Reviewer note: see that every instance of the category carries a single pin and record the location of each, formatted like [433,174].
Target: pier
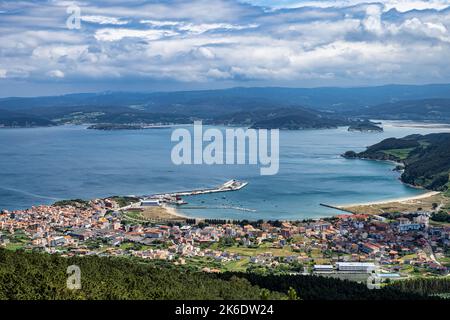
[336,208]
[232,185]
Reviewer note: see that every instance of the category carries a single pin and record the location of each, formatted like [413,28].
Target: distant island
[365,126]
[425,158]
[283,118]
[112,126]
[132,126]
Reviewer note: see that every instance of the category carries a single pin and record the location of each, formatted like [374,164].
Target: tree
[292,294]
[265,294]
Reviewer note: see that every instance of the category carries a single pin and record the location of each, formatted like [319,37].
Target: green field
[402,154]
[263,248]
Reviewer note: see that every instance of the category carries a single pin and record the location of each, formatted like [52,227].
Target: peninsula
[424,159]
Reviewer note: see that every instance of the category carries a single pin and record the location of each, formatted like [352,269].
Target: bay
[43,165]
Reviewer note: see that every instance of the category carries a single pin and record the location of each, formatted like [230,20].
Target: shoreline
[395,200]
[172,211]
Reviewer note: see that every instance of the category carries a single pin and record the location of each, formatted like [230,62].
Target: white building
[364,267]
[323,268]
[150,203]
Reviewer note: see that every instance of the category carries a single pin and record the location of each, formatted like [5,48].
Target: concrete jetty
[232,185]
[336,208]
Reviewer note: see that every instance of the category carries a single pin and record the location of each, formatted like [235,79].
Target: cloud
[119,34]
[104,20]
[194,28]
[372,22]
[399,5]
[217,41]
[55,74]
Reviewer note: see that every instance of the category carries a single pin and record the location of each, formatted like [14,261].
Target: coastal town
[343,246]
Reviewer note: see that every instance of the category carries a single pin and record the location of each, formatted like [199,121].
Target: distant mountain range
[287,108]
[424,109]
[16,119]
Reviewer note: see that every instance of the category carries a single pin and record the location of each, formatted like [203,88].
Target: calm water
[42,165]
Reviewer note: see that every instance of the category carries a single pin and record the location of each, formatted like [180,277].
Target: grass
[439,223]
[124,201]
[14,246]
[126,245]
[263,248]
[445,261]
[236,266]
[395,207]
[134,214]
[198,263]
[402,154]
[447,192]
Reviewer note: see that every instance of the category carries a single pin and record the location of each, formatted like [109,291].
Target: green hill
[426,159]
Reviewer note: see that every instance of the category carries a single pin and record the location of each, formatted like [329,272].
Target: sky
[50,47]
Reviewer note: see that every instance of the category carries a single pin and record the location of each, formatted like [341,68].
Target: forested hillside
[426,159]
[32,275]
[27,275]
[323,288]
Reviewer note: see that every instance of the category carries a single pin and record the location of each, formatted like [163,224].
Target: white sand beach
[400,200]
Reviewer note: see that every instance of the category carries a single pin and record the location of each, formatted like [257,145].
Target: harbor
[176,197]
[162,207]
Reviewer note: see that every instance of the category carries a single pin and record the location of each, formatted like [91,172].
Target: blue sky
[142,45]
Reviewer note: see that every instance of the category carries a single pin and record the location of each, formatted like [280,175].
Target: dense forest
[324,288]
[424,286]
[34,275]
[30,275]
[426,159]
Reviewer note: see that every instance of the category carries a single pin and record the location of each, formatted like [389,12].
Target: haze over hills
[424,109]
[328,98]
[292,108]
[16,119]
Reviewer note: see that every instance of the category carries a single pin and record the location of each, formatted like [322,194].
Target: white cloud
[56,74]
[419,28]
[56,52]
[218,74]
[399,5]
[224,40]
[104,20]
[158,23]
[119,34]
[206,53]
[201,28]
[197,28]
[2,73]
[372,22]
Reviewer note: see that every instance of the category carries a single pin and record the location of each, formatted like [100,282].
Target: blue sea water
[42,165]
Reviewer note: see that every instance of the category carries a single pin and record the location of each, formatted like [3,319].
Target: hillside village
[402,247]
